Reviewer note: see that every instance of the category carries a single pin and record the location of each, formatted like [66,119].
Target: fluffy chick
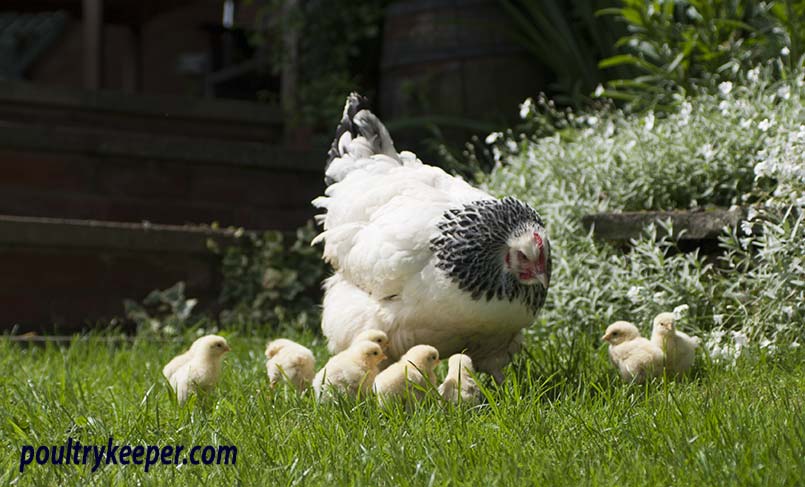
[459,386]
[636,358]
[409,375]
[679,348]
[289,361]
[198,368]
[376,336]
[350,372]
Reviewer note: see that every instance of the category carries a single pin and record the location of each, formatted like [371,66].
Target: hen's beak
[543,279]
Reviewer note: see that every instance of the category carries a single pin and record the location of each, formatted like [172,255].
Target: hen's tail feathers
[360,134]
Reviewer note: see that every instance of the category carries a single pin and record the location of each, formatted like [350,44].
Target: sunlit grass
[561,418]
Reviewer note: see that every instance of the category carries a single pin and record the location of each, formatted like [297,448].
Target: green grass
[560,419]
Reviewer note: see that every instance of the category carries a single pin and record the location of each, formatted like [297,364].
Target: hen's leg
[498,357]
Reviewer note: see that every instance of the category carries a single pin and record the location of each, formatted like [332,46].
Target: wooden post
[133,64]
[290,62]
[92,13]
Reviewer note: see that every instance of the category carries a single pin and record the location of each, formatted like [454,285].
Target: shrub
[740,145]
[685,45]
[271,281]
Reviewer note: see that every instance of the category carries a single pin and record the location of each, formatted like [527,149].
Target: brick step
[29,103]
[89,173]
[63,275]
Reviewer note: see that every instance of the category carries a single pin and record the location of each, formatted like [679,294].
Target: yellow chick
[376,336]
[351,372]
[635,357]
[459,386]
[198,368]
[679,348]
[407,377]
[289,361]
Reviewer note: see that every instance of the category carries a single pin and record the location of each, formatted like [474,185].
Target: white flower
[649,121]
[784,92]
[718,319]
[610,129]
[525,108]
[684,113]
[725,87]
[633,294]
[746,227]
[493,137]
[753,74]
[764,125]
[659,296]
[740,339]
[680,310]
[592,120]
[599,90]
[788,310]
[785,51]
[794,344]
[745,123]
[707,151]
[751,214]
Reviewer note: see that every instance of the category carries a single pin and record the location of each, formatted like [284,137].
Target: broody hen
[423,255]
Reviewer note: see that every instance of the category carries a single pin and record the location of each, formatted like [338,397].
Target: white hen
[422,255]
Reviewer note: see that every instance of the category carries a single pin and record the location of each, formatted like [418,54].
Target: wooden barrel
[453,59]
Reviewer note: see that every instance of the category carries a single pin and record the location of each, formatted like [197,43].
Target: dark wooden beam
[93,43]
[688,225]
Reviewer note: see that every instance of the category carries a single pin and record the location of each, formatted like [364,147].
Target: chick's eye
[374,353]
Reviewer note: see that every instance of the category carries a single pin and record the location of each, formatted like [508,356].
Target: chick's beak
[605,337]
[226,348]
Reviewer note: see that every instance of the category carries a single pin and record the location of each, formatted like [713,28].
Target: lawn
[561,418]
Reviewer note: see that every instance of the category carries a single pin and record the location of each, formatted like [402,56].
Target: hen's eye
[521,255]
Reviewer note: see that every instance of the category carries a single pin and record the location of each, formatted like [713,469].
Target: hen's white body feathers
[381,215]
